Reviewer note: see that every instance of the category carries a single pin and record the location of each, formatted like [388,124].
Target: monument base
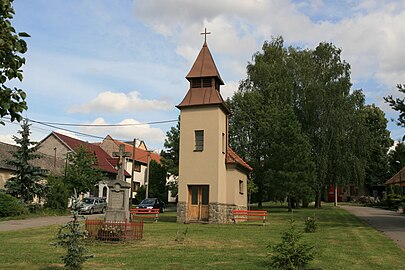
[117,215]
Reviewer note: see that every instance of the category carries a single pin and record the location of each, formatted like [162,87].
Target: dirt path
[390,223]
[12,225]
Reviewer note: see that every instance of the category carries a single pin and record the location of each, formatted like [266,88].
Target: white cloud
[120,102]
[370,33]
[137,130]
[228,89]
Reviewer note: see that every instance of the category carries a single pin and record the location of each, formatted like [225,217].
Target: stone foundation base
[219,213]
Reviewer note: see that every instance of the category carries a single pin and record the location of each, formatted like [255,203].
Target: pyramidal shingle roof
[204,66]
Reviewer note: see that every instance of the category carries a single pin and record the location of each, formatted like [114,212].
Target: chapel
[212,177]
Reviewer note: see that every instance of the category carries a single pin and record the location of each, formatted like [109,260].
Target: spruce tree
[27,180]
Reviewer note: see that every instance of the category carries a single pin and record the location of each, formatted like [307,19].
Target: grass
[43,212]
[341,242]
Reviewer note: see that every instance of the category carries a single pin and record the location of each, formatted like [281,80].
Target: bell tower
[203,143]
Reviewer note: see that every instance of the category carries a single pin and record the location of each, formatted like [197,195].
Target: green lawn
[341,242]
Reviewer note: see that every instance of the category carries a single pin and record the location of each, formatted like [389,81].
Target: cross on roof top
[205,33]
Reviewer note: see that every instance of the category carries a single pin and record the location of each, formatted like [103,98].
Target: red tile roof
[233,158]
[140,154]
[397,179]
[105,162]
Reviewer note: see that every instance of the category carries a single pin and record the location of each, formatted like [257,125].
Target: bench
[247,215]
[144,214]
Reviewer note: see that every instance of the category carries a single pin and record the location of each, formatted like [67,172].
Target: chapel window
[207,82]
[196,83]
[199,140]
[240,187]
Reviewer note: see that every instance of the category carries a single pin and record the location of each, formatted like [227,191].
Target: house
[6,171]
[61,146]
[212,178]
[397,179]
[111,145]
[53,164]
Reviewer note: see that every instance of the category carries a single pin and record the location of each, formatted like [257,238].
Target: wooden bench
[145,214]
[247,215]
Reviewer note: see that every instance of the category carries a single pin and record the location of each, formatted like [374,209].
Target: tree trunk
[289,203]
[318,199]
[335,191]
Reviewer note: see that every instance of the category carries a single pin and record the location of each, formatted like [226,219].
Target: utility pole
[147,177]
[133,172]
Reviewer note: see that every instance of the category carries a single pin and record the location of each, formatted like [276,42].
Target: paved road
[12,225]
[392,224]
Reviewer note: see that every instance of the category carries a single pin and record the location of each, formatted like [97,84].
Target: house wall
[4,176]
[49,145]
[208,166]
[234,195]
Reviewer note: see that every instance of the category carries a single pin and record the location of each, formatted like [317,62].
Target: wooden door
[198,203]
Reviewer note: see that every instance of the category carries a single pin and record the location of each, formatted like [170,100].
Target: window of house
[137,167]
[223,143]
[196,83]
[240,187]
[199,140]
[207,82]
[137,185]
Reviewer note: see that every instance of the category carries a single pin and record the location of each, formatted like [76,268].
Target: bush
[394,201]
[11,206]
[71,236]
[310,225]
[57,194]
[290,254]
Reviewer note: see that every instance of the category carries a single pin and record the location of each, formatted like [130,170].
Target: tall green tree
[81,172]
[316,84]
[290,166]
[157,180]
[27,180]
[398,104]
[268,85]
[12,47]
[396,158]
[379,141]
[170,156]
[329,114]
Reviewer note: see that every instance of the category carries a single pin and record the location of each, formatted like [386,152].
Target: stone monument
[119,189]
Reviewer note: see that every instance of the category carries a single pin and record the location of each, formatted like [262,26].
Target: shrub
[310,225]
[57,194]
[290,254]
[394,201]
[11,206]
[71,236]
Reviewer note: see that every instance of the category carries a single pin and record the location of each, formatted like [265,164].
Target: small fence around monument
[113,231]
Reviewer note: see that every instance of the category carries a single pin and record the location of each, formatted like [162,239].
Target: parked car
[152,203]
[92,205]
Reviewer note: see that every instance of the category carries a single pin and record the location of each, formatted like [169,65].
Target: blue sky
[124,61]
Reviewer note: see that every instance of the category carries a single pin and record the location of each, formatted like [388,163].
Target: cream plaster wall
[208,166]
[48,147]
[234,196]
[4,176]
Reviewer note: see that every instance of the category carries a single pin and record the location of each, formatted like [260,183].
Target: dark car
[152,203]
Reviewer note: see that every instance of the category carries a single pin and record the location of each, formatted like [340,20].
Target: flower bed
[113,231]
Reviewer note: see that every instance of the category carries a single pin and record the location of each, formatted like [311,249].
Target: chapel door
[198,203]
